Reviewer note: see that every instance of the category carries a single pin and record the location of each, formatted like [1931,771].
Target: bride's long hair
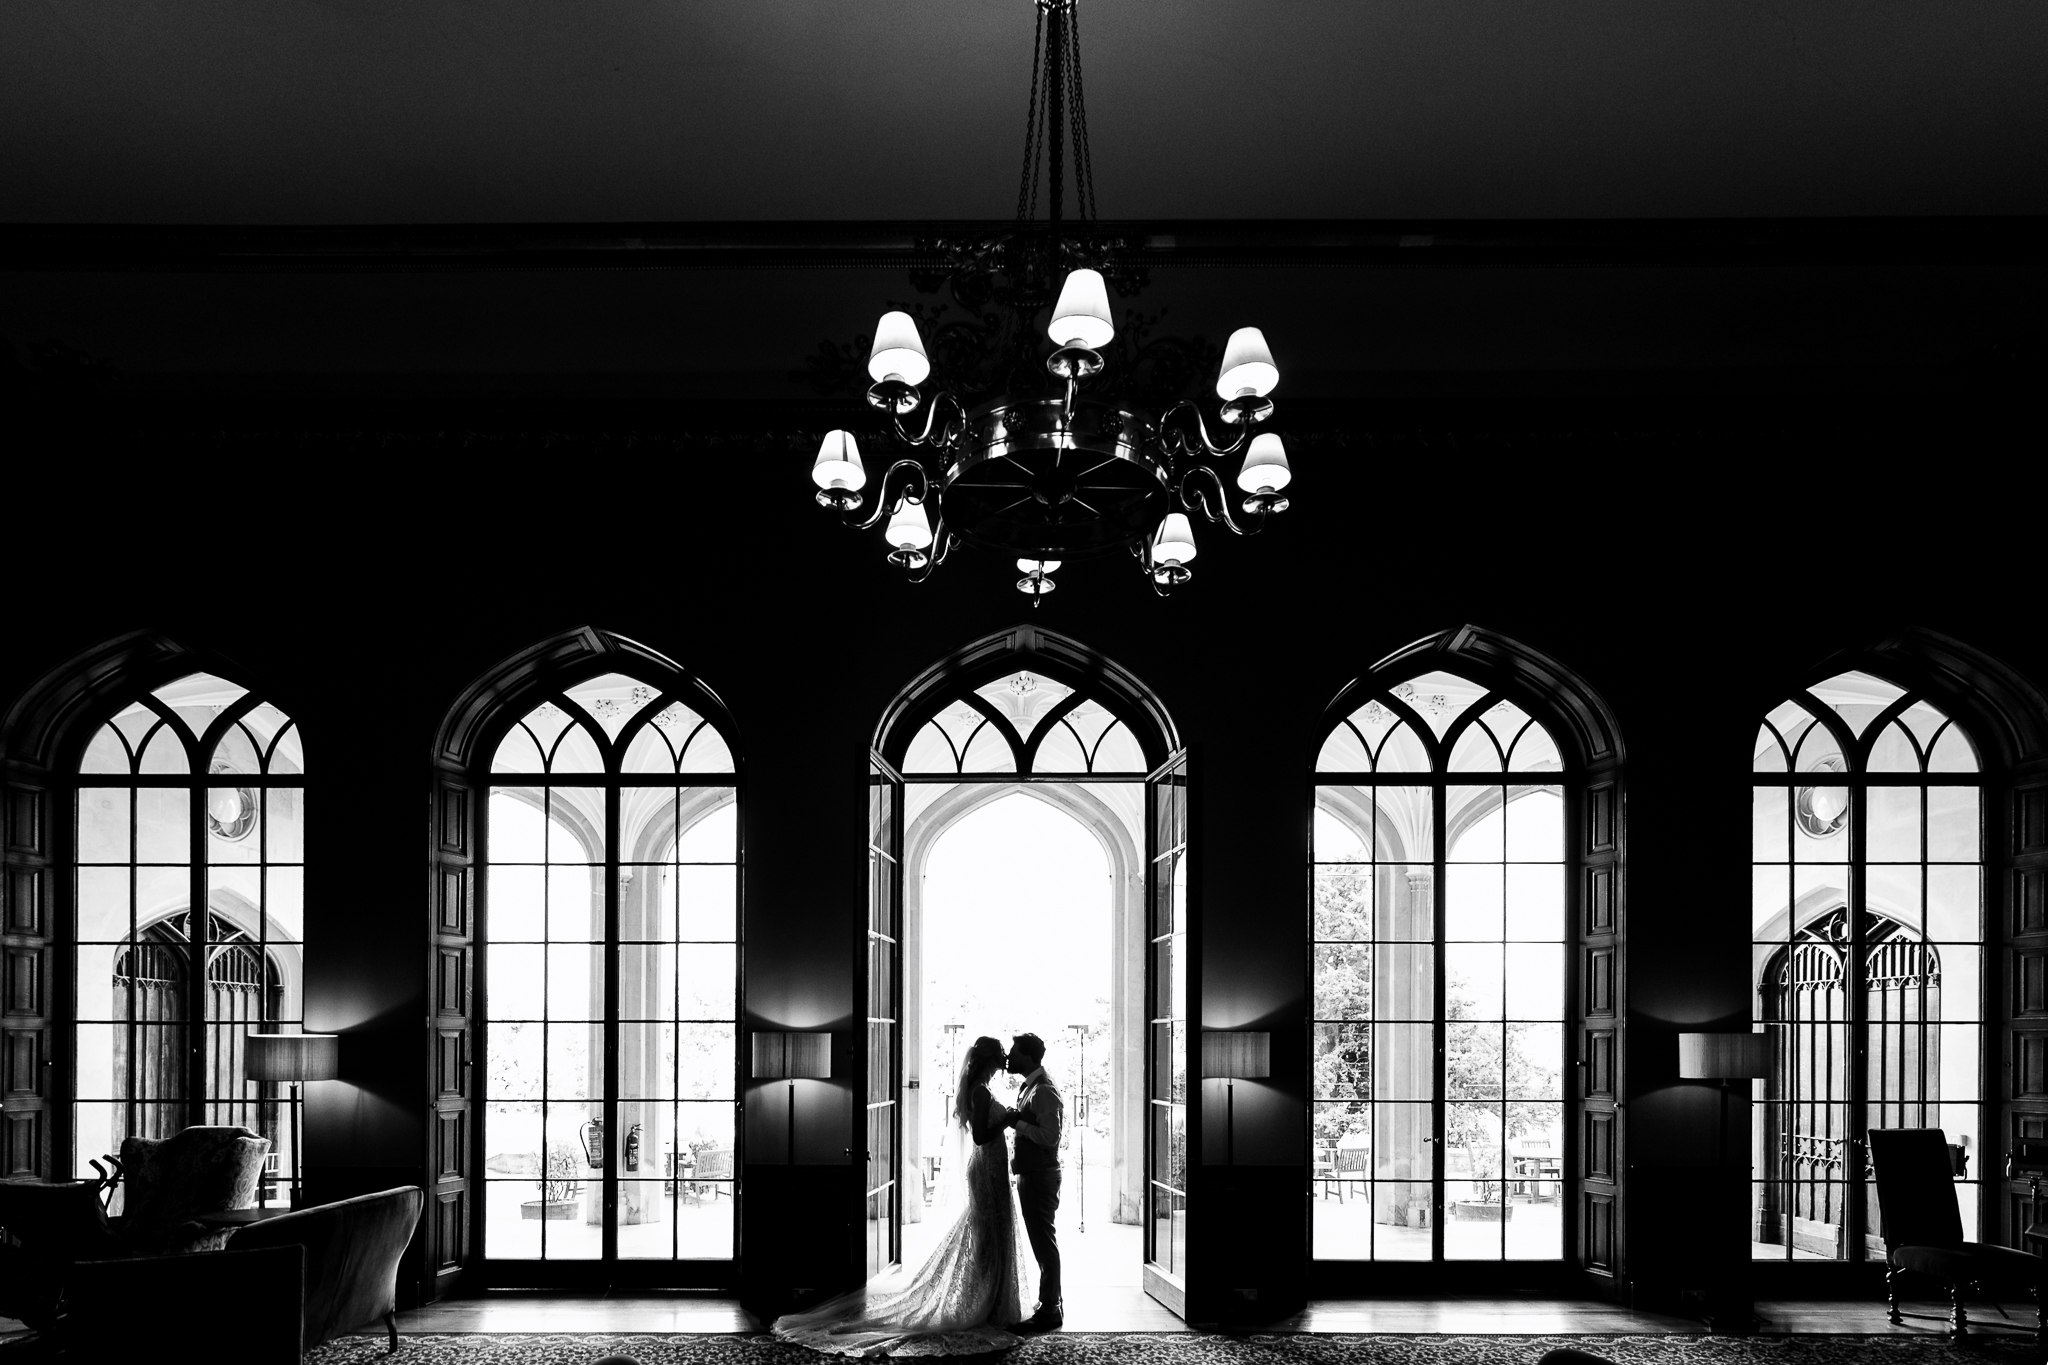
[984,1059]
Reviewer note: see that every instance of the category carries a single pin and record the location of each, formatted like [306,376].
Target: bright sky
[1016,924]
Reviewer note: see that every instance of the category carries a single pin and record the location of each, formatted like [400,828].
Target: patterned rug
[1198,1348]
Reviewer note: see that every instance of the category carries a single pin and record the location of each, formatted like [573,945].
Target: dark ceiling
[321,202]
[448,111]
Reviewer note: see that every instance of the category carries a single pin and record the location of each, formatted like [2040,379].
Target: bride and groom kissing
[969,1296]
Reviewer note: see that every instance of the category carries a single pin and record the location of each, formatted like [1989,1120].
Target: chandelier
[1050,468]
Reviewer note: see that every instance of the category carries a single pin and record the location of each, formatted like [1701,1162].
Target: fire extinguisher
[592,1133]
[633,1148]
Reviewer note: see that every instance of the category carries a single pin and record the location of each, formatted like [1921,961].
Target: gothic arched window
[192,795]
[609,963]
[1441,979]
[1868,947]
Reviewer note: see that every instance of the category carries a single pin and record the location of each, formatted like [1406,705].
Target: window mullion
[1439,1111]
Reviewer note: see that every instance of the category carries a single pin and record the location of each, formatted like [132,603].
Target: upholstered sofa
[352,1248]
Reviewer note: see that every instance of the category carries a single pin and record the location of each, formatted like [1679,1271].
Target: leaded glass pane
[164,752]
[649,752]
[1857,698]
[1060,751]
[575,751]
[708,753]
[1476,751]
[1343,752]
[107,753]
[1894,751]
[1535,751]
[612,700]
[931,751]
[518,752]
[1771,755]
[1402,752]
[1440,698]
[1953,753]
[1117,751]
[988,750]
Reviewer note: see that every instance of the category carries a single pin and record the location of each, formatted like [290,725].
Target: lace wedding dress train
[978,1280]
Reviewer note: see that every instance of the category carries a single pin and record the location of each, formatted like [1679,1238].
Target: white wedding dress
[978,1280]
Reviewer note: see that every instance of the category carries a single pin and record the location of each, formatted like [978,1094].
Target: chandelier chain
[1084,167]
[1027,181]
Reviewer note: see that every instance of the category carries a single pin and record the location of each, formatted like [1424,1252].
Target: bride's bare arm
[984,1117]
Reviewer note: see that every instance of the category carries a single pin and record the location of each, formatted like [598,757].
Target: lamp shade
[291,1056]
[1081,317]
[1175,543]
[910,528]
[792,1056]
[1247,365]
[898,350]
[1038,565]
[1240,1055]
[1265,466]
[838,464]
[1723,1056]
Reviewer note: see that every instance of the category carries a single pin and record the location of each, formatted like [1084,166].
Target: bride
[977,1280]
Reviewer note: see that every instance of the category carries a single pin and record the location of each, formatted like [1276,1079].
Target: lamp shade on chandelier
[1055,472]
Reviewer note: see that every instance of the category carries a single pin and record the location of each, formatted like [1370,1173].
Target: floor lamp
[1721,1058]
[792,1057]
[292,1058]
[1235,1056]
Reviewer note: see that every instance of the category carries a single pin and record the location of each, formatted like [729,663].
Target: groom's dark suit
[1036,1161]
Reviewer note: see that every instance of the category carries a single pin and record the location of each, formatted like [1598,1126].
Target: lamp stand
[1229,1121]
[298,1160]
[792,1123]
[1718,1320]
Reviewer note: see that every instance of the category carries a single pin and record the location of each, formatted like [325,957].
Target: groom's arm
[1040,1120]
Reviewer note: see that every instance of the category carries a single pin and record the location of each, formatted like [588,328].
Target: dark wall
[368,581]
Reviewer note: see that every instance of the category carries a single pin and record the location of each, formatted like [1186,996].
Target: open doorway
[1020,876]
[1022,914]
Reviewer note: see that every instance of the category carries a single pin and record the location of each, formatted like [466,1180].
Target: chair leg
[391,1326]
[1891,1294]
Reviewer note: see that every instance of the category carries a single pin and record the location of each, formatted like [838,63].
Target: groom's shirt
[1040,1120]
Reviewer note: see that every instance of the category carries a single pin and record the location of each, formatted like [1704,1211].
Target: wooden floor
[1128,1310]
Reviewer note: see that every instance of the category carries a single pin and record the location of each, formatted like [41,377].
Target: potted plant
[560,1189]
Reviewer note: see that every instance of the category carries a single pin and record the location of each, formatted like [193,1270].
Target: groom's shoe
[1044,1320]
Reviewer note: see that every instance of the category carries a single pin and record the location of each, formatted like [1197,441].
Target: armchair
[46,1228]
[1923,1229]
[201,1169]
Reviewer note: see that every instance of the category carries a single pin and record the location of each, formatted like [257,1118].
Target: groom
[1037,1164]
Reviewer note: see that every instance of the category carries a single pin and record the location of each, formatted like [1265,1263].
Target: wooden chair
[1923,1230]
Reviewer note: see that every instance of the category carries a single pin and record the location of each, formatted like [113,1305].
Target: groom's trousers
[1038,1193]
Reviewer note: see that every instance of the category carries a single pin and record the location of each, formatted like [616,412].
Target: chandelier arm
[954,428]
[942,543]
[1194,496]
[885,504]
[1180,444]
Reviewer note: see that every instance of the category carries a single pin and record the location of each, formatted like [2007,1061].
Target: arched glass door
[1441,982]
[1034,715]
[609,959]
[1867,943]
